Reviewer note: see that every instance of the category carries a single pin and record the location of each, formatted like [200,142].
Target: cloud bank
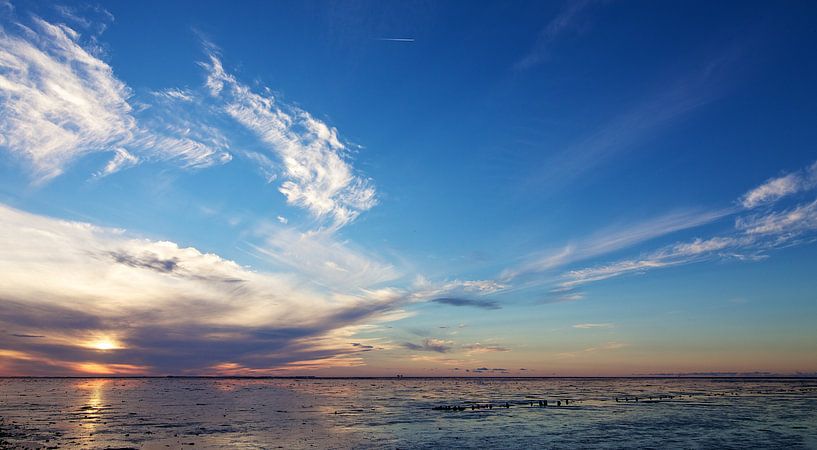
[106,300]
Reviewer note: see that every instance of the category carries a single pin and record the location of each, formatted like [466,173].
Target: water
[162,413]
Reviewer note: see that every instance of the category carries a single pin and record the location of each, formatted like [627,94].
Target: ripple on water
[367,413]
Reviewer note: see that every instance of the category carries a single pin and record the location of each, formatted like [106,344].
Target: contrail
[396,39]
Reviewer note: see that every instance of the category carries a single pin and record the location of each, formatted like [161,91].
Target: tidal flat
[160,413]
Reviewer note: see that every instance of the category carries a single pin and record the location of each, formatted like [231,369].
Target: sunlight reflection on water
[355,413]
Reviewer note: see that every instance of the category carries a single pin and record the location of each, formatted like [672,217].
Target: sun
[104,344]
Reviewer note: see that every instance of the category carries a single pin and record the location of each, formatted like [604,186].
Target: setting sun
[104,344]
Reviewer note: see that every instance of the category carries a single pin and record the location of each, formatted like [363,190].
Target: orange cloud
[92,368]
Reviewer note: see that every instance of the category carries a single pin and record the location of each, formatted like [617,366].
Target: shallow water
[398,413]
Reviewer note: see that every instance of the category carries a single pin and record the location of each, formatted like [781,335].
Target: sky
[372,188]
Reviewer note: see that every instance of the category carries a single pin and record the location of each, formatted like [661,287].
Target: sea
[407,413]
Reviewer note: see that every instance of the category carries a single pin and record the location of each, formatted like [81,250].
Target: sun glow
[103,344]
[92,368]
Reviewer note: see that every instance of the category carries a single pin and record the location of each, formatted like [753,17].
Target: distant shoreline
[406,377]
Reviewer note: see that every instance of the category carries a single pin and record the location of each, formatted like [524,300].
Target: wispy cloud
[484,348]
[91,19]
[181,131]
[612,239]
[607,346]
[59,101]
[122,159]
[396,39]
[776,188]
[184,95]
[681,253]
[786,223]
[563,21]
[635,125]
[752,237]
[69,13]
[585,326]
[324,259]
[562,295]
[467,293]
[423,288]
[318,175]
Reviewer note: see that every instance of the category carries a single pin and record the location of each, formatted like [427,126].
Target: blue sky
[371,188]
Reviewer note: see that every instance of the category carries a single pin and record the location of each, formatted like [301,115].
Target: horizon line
[403,377]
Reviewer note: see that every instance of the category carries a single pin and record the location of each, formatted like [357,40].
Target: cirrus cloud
[318,176]
[59,102]
[777,188]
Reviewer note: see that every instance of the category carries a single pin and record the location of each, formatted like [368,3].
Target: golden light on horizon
[93,368]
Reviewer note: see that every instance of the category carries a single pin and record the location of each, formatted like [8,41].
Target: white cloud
[771,190]
[282,219]
[318,176]
[699,246]
[423,289]
[798,219]
[181,131]
[776,188]
[121,159]
[603,272]
[69,13]
[484,348]
[585,326]
[183,95]
[190,153]
[59,102]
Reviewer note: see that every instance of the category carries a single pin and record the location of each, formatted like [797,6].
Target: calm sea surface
[198,413]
